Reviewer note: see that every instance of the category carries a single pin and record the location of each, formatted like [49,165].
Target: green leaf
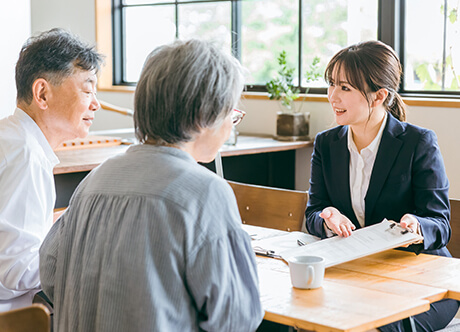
[422,73]
[312,74]
[453,15]
[282,87]
[454,85]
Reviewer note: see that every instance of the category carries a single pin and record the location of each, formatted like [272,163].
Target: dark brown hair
[52,55]
[368,67]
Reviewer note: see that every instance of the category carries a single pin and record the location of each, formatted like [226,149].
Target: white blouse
[361,165]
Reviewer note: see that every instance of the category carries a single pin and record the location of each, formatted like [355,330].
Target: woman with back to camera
[152,241]
[375,166]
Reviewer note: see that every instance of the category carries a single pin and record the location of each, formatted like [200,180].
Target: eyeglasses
[237,116]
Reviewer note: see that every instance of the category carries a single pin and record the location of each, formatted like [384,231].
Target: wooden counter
[254,160]
[86,159]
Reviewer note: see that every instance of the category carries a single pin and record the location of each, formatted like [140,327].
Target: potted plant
[291,123]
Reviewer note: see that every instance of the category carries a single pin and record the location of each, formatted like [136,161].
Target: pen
[404,231]
[264,252]
[300,242]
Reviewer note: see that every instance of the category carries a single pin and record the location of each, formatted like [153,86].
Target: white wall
[79,17]
[15,27]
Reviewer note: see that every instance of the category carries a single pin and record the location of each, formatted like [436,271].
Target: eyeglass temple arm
[218,162]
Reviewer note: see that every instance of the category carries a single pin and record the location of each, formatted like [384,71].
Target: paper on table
[363,242]
[281,243]
[259,233]
[273,241]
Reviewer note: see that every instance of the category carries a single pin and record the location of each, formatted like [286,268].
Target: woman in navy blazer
[375,166]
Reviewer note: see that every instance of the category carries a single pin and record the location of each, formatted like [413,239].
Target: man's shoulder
[12,131]
[16,146]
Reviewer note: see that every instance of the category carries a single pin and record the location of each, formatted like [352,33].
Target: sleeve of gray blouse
[48,255]
[222,278]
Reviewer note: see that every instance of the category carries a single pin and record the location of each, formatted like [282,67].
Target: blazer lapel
[386,157]
[340,174]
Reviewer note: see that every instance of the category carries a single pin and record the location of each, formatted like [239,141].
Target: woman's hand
[411,223]
[337,222]
[408,221]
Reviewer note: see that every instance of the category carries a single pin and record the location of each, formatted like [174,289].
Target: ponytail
[396,107]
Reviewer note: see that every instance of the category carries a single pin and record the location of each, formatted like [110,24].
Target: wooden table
[436,271]
[359,295]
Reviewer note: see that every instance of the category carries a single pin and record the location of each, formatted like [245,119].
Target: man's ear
[41,92]
[380,96]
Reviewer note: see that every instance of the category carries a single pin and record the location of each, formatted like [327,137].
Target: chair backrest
[454,243]
[270,207]
[35,318]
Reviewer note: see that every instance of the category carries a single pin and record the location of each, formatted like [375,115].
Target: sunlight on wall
[15,20]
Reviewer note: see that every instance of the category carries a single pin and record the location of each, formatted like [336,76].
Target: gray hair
[184,87]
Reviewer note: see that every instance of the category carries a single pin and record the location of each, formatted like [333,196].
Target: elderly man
[56,100]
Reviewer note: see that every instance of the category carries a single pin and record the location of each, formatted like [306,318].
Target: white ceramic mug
[307,272]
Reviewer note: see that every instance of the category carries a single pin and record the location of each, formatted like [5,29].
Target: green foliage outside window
[282,87]
[433,75]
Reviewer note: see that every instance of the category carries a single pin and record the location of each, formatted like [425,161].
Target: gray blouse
[151,241]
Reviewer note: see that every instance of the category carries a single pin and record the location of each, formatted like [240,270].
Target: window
[151,24]
[432,47]
[256,31]
[261,29]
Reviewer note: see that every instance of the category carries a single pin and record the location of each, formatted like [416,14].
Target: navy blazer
[408,177]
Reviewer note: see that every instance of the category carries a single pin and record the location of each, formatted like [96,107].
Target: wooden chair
[35,318]
[57,213]
[454,243]
[270,207]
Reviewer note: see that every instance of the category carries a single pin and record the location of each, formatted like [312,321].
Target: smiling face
[71,105]
[349,104]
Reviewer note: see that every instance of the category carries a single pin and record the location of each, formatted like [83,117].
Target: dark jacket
[408,177]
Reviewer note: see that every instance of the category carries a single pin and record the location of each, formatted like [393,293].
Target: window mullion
[390,23]
[300,45]
[236,28]
[391,31]
[118,50]
[176,18]
[444,42]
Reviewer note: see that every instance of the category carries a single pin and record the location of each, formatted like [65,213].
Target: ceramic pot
[292,126]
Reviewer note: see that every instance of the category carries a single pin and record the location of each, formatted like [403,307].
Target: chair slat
[35,318]
[270,207]
[454,243]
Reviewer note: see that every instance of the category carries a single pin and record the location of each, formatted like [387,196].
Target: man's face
[72,105]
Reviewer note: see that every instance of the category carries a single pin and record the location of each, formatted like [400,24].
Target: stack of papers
[273,242]
[335,250]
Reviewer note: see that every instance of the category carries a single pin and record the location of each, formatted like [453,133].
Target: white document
[273,242]
[259,233]
[363,242]
[281,243]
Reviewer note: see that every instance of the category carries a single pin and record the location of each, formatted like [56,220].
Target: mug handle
[310,275]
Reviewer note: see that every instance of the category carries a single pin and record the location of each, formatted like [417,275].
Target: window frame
[390,30]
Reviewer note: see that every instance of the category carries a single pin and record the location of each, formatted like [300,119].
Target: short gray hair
[183,87]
